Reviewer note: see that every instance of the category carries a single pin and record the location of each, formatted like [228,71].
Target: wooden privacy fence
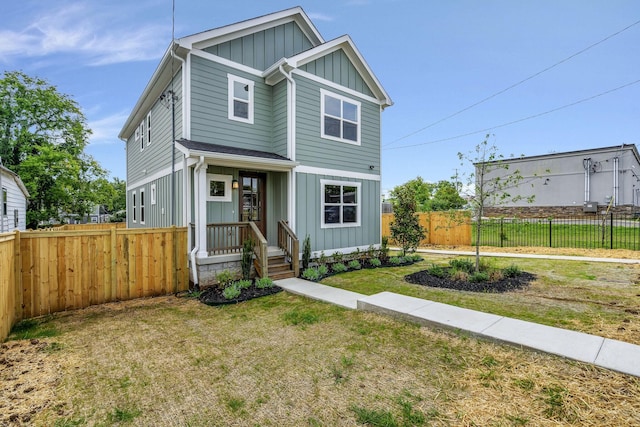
[442,228]
[65,270]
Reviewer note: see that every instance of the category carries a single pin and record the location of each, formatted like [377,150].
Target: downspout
[291,144]
[586,163]
[173,136]
[196,245]
[616,166]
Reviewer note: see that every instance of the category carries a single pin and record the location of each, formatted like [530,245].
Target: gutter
[196,245]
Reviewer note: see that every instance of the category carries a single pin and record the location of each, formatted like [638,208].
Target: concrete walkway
[607,353]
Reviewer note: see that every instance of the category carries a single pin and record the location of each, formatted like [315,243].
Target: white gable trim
[240,29]
[336,172]
[228,63]
[336,86]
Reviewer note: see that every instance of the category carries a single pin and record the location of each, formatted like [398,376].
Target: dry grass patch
[284,360]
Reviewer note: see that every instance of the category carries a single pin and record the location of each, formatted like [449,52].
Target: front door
[253,199]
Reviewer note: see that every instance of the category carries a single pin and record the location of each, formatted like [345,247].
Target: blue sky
[434,58]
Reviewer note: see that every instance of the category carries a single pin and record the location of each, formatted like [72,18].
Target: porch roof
[234,156]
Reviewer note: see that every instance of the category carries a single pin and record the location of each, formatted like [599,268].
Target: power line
[514,85]
[519,120]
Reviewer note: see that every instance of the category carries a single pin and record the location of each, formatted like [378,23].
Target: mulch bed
[213,295]
[504,285]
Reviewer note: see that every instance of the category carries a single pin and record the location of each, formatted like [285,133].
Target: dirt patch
[28,379]
[506,284]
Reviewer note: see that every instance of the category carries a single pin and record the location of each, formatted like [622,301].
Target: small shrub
[337,257]
[247,258]
[416,258]
[243,284]
[339,267]
[311,274]
[438,271]
[323,270]
[375,262]
[306,252]
[396,260]
[512,271]
[384,248]
[354,265]
[460,275]
[462,264]
[371,252]
[264,282]
[495,275]
[322,260]
[231,292]
[479,277]
[224,278]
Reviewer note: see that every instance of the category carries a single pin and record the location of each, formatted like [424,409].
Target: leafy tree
[441,196]
[43,134]
[111,195]
[491,182]
[406,228]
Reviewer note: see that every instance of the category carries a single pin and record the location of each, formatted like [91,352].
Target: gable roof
[17,180]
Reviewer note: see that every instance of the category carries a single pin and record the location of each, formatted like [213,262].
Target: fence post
[550,233]
[17,277]
[611,229]
[502,236]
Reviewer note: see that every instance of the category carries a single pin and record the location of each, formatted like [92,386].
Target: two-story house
[263,130]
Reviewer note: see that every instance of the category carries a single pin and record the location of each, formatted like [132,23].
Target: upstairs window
[340,118]
[141,206]
[134,209]
[141,135]
[148,129]
[240,99]
[341,204]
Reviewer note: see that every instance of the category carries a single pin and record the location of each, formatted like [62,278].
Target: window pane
[241,109]
[349,195]
[349,111]
[332,194]
[216,189]
[350,131]
[332,106]
[332,214]
[331,126]
[241,91]
[349,214]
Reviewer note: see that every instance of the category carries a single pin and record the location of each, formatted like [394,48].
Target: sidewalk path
[607,353]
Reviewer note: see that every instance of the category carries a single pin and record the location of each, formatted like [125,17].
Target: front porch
[224,243]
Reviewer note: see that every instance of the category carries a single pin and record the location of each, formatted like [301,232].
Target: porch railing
[289,243]
[226,237]
[261,260]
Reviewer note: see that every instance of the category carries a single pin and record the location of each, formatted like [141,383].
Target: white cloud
[94,32]
[315,16]
[106,129]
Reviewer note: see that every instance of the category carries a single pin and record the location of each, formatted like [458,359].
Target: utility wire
[513,85]
[519,120]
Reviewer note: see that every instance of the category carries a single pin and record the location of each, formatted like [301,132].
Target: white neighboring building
[13,202]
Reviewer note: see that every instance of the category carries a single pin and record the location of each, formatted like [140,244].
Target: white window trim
[134,217]
[358,185]
[141,126]
[324,93]
[143,212]
[148,129]
[4,202]
[227,187]
[153,194]
[231,80]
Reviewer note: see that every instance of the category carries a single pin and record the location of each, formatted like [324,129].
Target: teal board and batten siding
[313,150]
[156,155]
[309,215]
[262,49]
[157,214]
[337,68]
[280,118]
[210,111]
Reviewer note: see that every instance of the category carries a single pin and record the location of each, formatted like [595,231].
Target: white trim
[335,172]
[223,61]
[143,212]
[148,128]
[134,207]
[153,194]
[157,175]
[344,251]
[186,98]
[358,122]
[335,86]
[142,134]
[227,187]
[249,87]
[358,204]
